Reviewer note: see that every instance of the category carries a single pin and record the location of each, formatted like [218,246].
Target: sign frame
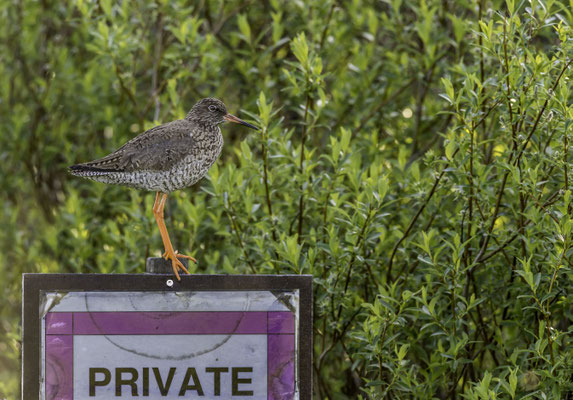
[34,284]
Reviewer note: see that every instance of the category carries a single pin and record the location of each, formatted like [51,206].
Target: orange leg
[161,206]
[169,254]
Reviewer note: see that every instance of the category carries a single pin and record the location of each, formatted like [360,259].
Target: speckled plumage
[167,157]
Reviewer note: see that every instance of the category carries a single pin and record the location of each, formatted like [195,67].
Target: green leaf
[244,27]
[510,6]
[451,146]
[345,136]
[106,7]
[402,352]
[449,89]
[513,382]
[300,49]
[459,25]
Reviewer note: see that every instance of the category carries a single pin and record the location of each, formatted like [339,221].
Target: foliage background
[413,157]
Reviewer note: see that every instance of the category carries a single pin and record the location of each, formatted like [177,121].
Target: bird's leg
[158,209]
[169,254]
[156,203]
[161,205]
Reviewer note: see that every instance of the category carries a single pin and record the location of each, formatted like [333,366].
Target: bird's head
[211,111]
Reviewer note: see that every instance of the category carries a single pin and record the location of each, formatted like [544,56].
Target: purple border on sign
[279,326]
[170,323]
[59,367]
[281,322]
[59,323]
[281,359]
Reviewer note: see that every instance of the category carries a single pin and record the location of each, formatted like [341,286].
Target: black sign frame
[34,284]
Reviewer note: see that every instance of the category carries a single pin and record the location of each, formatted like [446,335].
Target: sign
[149,336]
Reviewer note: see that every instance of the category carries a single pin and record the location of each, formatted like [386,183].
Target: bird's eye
[212,108]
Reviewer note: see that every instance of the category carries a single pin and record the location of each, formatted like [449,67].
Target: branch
[376,109]
[519,155]
[301,200]
[415,218]
[126,89]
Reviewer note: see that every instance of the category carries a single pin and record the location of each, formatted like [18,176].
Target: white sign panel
[235,368]
[169,345]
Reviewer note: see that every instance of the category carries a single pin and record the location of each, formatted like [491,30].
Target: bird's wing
[154,150]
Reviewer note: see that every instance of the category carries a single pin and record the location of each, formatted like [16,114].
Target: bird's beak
[232,118]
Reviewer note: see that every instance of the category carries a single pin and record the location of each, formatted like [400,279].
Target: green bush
[413,157]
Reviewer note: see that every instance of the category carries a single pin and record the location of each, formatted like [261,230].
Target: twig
[156,63]
[532,130]
[327,23]
[267,191]
[548,202]
[425,85]
[415,218]
[513,133]
[383,103]
[126,90]
[301,199]
[238,232]
[565,164]
[519,155]
[359,239]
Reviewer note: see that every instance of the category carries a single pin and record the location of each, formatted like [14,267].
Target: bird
[168,157]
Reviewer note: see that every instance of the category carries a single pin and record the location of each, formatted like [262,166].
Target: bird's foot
[180,256]
[176,263]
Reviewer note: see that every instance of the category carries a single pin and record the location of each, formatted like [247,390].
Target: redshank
[165,158]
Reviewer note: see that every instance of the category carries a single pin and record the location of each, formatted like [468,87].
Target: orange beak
[232,118]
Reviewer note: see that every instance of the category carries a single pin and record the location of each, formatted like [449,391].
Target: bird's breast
[196,164]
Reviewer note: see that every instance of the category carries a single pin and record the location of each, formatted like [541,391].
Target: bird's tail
[88,170]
